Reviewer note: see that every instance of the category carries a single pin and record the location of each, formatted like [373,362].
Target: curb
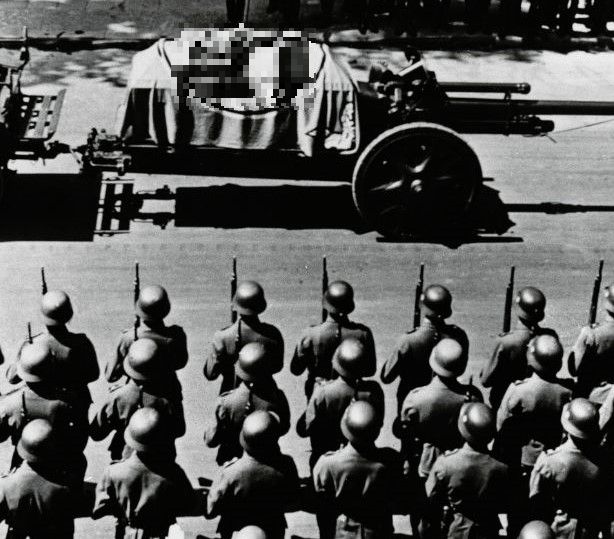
[353,39]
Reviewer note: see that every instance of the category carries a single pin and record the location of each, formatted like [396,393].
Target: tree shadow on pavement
[108,65]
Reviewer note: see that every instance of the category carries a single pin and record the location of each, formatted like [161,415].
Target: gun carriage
[411,174]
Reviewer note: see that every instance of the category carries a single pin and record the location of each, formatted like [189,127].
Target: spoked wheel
[416,179]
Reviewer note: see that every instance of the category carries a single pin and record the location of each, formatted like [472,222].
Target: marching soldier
[74,355]
[592,357]
[536,529]
[469,481]
[148,490]
[410,360]
[152,307]
[329,400]
[40,398]
[38,499]
[314,351]
[569,485]
[358,486]
[258,487]
[257,391]
[220,358]
[429,415]
[509,359]
[147,385]
[528,419]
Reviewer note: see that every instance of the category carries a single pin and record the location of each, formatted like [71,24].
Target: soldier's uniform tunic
[430,414]
[528,419]
[509,360]
[410,359]
[357,492]
[223,352]
[74,358]
[326,408]
[251,491]
[38,506]
[474,486]
[123,401]
[567,480]
[171,340]
[316,347]
[234,406]
[592,357]
[603,397]
[145,496]
[66,413]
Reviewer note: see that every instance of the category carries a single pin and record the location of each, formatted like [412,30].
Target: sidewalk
[134,24]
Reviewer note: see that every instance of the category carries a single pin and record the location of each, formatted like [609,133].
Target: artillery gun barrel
[487,87]
[493,108]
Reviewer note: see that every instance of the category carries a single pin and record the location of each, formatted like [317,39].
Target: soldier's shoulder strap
[520,382]
[450,452]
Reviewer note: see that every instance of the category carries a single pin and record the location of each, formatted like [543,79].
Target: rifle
[233,289]
[137,292]
[324,285]
[418,297]
[509,297]
[592,313]
[43,281]
[30,339]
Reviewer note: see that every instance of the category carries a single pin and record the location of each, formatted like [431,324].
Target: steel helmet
[476,423]
[260,431]
[448,359]
[545,354]
[531,304]
[56,308]
[153,303]
[250,532]
[37,443]
[536,529]
[249,298]
[437,301]
[361,423]
[339,298]
[35,362]
[143,361]
[349,358]
[148,431]
[253,363]
[580,418]
[609,297]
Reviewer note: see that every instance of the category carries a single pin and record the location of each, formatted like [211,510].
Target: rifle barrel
[418,295]
[592,314]
[43,281]
[324,285]
[509,297]
[233,289]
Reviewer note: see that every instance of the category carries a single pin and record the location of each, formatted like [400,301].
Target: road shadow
[61,207]
[48,207]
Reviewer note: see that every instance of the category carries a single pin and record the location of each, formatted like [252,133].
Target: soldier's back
[529,419]
[67,415]
[254,492]
[364,485]
[152,495]
[580,484]
[475,485]
[410,359]
[223,351]
[317,346]
[38,506]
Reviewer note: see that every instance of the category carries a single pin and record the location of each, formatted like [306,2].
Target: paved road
[557,253]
